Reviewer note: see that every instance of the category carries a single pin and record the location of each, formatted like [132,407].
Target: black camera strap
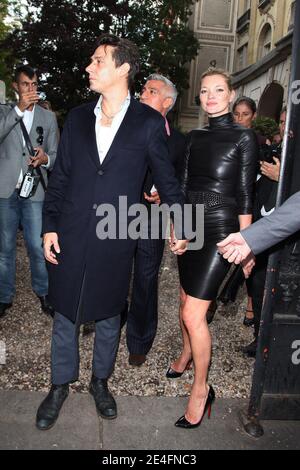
[31,151]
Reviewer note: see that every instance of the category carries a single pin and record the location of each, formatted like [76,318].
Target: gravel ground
[26,332]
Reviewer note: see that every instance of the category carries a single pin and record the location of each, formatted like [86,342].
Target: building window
[242,57]
[265,41]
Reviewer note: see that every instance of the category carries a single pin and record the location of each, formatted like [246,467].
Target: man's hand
[234,248]
[269,170]
[40,157]
[27,99]
[51,240]
[153,198]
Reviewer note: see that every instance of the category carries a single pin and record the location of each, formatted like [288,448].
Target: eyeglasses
[40,132]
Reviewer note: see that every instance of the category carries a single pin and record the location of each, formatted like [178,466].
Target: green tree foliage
[4,53]
[266,126]
[56,37]
[161,31]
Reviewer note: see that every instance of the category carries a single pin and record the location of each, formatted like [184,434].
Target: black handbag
[33,175]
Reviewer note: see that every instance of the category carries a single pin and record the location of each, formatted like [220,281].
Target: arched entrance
[270,103]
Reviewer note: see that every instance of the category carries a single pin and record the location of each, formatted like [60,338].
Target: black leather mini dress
[219,172]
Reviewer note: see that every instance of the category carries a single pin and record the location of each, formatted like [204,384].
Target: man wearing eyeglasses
[42,128]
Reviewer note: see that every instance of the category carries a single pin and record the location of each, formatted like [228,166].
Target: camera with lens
[270,151]
[29,184]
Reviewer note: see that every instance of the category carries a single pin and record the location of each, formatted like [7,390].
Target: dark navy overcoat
[78,185]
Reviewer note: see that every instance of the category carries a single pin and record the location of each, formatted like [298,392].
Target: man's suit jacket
[176,145]
[79,183]
[14,155]
[279,225]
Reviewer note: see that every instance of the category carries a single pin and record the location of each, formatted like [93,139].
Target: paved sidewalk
[143,423]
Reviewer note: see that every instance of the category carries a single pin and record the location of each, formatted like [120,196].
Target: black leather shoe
[49,409]
[137,359]
[105,402]
[250,349]
[3,307]
[248,321]
[46,307]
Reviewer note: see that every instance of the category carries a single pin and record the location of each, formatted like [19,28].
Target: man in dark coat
[159,93]
[104,153]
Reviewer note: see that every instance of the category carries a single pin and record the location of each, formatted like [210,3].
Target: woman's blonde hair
[214,71]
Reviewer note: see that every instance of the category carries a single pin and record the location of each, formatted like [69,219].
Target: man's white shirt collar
[104,134]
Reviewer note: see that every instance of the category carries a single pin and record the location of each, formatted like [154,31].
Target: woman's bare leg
[181,362]
[194,320]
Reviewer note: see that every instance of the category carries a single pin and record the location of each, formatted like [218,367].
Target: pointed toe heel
[173,374]
[185,424]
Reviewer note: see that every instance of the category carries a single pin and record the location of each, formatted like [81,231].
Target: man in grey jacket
[266,232]
[42,128]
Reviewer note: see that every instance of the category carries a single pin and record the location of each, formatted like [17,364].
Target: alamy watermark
[137,221]
[296,354]
[296,92]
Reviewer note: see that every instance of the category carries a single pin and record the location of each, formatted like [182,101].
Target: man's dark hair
[125,51]
[26,69]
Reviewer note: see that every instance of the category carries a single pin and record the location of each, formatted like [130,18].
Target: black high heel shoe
[184,423]
[173,374]
[248,321]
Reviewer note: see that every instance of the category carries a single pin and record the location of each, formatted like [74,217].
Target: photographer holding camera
[28,145]
[270,169]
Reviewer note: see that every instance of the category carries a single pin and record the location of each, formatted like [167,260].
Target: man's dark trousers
[65,349]
[142,316]
[143,313]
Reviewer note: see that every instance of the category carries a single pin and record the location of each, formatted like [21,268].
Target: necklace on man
[108,117]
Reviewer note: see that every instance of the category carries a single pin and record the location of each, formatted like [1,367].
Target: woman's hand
[179,247]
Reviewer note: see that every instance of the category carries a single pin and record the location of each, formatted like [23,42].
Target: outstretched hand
[234,248]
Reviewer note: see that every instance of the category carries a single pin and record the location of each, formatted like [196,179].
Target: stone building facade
[214,24]
[263,53]
[250,38]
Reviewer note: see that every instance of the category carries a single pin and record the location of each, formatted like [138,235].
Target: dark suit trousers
[65,346]
[142,316]
[65,349]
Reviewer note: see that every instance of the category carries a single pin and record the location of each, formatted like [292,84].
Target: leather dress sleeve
[184,176]
[248,150]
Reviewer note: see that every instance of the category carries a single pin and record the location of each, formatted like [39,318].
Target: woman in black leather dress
[219,172]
